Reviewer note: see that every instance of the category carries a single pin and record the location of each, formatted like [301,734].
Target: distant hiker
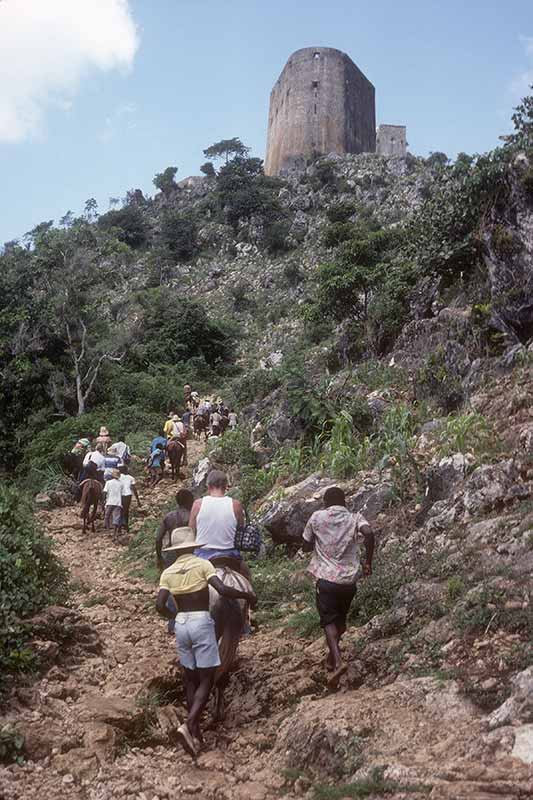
[96,457]
[178,428]
[130,489]
[188,581]
[224,422]
[187,419]
[214,421]
[104,439]
[215,519]
[232,416]
[179,434]
[160,441]
[167,427]
[334,534]
[121,450]
[111,463]
[195,399]
[155,465]
[114,492]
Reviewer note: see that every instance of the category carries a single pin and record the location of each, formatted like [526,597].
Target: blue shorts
[196,640]
[208,553]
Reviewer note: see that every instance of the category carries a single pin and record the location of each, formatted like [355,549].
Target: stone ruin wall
[321,103]
[391,140]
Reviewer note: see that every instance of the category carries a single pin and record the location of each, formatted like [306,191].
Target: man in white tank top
[215,519]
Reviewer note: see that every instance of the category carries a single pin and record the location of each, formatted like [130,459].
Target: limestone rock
[523,744]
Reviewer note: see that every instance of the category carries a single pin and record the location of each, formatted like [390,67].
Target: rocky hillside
[371,321]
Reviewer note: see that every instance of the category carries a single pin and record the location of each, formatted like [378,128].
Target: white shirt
[97,458]
[128,481]
[114,490]
[178,428]
[119,449]
[216,523]
[232,419]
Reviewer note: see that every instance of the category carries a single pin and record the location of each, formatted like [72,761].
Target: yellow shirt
[187,574]
[168,428]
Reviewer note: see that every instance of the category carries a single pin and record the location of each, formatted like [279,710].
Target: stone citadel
[322,103]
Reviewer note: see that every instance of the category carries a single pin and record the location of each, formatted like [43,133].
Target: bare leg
[332,639]
[201,696]
[191,685]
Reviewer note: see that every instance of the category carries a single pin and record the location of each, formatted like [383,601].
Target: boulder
[199,478]
[523,744]
[285,519]
[519,706]
[443,478]
[490,487]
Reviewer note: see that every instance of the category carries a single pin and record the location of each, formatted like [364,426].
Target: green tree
[208,169]
[164,181]
[179,234]
[174,329]
[523,124]
[90,211]
[226,149]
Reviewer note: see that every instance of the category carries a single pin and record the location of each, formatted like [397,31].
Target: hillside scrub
[31,578]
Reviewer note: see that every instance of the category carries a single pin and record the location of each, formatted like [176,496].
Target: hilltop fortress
[322,103]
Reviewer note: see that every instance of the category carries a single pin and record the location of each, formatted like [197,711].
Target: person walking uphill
[215,519]
[188,581]
[334,534]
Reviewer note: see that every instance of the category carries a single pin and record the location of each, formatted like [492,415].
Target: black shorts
[333,601]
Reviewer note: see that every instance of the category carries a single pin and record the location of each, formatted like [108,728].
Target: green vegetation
[30,578]
[375,785]
[11,745]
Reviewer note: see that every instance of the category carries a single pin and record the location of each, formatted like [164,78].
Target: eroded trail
[98,725]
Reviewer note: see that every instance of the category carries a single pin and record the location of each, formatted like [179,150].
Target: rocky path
[99,724]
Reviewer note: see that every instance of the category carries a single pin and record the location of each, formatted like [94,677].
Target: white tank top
[216,524]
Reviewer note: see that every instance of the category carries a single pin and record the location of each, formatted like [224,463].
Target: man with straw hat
[188,581]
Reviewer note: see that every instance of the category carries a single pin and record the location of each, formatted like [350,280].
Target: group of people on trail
[104,479]
[200,537]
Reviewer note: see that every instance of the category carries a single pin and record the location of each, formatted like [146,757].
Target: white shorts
[196,640]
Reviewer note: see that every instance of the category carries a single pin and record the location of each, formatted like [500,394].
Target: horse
[91,495]
[72,464]
[230,617]
[175,453]
[201,425]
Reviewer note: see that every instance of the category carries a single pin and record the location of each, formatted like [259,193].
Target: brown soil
[100,723]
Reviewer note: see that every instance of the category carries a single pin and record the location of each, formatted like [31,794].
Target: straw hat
[103,431]
[181,539]
[175,418]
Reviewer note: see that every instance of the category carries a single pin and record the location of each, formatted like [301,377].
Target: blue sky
[103,121]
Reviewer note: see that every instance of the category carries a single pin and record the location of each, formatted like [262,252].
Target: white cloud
[521,83]
[48,46]
[123,118]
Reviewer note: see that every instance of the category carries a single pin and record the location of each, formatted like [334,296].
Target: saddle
[227,561]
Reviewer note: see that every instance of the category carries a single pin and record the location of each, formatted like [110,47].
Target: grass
[376,784]
[278,587]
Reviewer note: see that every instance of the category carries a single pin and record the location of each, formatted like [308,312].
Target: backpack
[249,539]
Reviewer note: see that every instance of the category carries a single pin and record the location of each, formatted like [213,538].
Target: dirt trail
[95,724]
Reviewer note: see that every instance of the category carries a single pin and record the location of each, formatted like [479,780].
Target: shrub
[127,224]
[527,181]
[465,432]
[179,234]
[31,577]
[324,176]
[341,212]
[234,448]
[276,237]
[504,242]
[338,232]
[292,272]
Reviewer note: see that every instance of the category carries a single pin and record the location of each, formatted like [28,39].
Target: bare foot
[330,666]
[333,682]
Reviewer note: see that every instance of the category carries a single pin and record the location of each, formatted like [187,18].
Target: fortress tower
[321,103]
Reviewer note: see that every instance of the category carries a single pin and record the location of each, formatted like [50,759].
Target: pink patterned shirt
[336,535]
